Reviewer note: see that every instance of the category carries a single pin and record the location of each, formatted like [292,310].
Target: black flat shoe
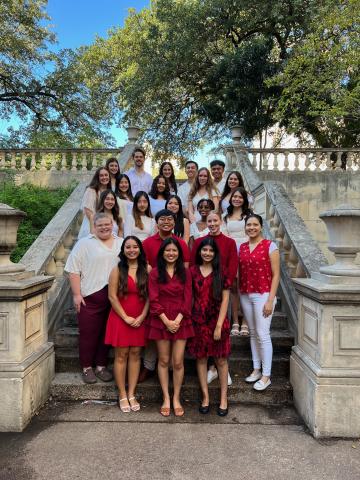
[222,412]
[204,410]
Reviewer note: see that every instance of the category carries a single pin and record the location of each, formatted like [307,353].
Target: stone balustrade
[302,159]
[48,254]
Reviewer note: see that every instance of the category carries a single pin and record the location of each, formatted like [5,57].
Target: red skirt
[156,330]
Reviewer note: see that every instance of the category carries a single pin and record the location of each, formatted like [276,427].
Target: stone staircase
[68,385]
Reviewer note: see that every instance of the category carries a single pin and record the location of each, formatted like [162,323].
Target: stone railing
[302,159]
[48,254]
[300,254]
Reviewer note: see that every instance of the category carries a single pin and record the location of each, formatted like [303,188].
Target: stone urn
[237,134]
[133,133]
[343,225]
[10,219]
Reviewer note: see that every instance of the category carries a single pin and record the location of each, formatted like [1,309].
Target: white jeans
[259,328]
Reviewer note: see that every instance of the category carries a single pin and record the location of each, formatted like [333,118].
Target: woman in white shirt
[124,194]
[234,180]
[113,166]
[203,187]
[234,227]
[99,183]
[159,193]
[108,204]
[167,170]
[200,229]
[140,223]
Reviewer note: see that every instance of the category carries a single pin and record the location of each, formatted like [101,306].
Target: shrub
[40,204]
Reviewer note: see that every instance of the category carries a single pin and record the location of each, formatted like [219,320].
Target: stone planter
[133,134]
[10,219]
[237,134]
[343,225]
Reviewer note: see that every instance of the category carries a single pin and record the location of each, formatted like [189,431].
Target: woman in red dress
[211,298]
[128,293]
[169,322]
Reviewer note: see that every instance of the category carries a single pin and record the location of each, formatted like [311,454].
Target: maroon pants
[92,320]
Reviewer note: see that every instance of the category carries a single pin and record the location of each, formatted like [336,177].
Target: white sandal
[235,332]
[136,406]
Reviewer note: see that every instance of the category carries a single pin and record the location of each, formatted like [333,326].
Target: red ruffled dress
[118,332]
[171,298]
[205,315]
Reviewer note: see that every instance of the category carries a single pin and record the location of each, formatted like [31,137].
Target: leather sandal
[126,408]
[165,411]
[235,330]
[179,412]
[136,405]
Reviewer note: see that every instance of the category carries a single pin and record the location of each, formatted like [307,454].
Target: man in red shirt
[165,221]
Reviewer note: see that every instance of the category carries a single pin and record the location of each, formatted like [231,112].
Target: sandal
[165,411]
[179,412]
[127,407]
[136,405]
[235,330]
[244,331]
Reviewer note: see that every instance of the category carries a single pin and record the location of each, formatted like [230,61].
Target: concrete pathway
[96,441]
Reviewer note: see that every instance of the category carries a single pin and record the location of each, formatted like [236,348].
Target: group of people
[161,267]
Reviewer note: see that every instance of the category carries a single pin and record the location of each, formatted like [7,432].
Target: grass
[40,204]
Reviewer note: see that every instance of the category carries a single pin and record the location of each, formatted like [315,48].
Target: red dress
[171,298]
[118,332]
[205,314]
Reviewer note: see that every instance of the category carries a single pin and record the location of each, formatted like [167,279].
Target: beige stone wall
[315,192]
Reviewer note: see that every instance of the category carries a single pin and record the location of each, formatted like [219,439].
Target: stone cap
[7,211]
[342,211]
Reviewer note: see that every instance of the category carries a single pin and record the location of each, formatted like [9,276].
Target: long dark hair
[218,281]
[154,189]
[179,216]
[141,272]
[115,209]
[113,160]
[171,180]
[245,206]
[227,189]
[95,182]
[118,192]
[179,264]
[135,211]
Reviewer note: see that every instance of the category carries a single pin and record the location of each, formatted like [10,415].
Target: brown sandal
[179,412]
[165,411]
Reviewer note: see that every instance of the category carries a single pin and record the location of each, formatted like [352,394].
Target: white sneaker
[229,380]
[260,385]
[253,378]
[211,375]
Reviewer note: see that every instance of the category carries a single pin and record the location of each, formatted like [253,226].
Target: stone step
[67,360]
[70,387]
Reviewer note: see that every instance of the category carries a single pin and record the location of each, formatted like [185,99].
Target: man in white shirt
[89,266]
[217,168]
[139,179]
[191,169]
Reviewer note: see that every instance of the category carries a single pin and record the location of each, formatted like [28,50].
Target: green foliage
[187,70]
[40,205]
[321,88]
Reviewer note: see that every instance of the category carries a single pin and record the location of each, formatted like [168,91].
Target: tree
[320,83]
[187,70]
[43,89]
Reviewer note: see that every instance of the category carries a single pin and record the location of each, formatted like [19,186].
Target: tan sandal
[165,411]
[136,405]
[126,408]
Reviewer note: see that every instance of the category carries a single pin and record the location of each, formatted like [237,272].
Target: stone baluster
[286,161]
[68,242]
[33,161]
[93,161]
[275,162]
[317,161]
[42,160]
[13,160]
[63,162]
[59,256]
[2,159]
[23,161]
[292,262]
[338,160]
[74,162]
[50,267]
[83,162]
[307,160]
[52,161]
[296,161]
[328,161]
[264,162]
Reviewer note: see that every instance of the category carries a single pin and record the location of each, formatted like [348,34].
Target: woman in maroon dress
[211,292]
[128,293]
[169,322]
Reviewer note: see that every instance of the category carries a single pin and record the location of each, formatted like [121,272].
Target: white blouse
[131,229]
[196,233]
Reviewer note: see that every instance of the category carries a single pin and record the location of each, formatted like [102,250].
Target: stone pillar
[325,364]
[27,361]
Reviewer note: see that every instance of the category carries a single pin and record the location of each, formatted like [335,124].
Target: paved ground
[92,441]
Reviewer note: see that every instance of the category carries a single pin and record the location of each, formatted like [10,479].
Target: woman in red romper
[128,293]
[169,322]
[211,298]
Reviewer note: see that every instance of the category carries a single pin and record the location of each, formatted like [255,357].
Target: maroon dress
[205,315]
[171,298]
[118,332]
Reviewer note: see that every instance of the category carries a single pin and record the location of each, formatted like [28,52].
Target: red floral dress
[205,315]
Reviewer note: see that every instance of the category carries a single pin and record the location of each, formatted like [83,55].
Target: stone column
[325,364]
[27,361]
